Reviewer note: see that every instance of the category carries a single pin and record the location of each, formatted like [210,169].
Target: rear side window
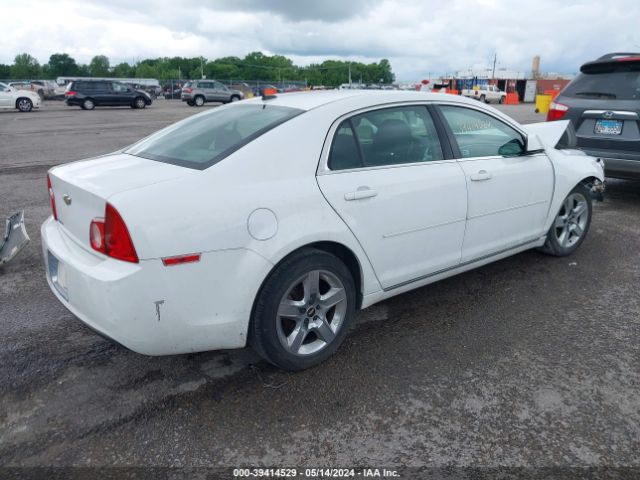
[344,149]
[203,140]
[621,83]
[390,136]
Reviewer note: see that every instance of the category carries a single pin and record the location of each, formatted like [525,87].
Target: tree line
[254,66]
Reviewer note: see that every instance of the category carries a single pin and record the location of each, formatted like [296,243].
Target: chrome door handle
[362,192]
[480,176]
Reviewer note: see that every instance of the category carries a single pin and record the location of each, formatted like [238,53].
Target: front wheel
[303,310]
[501,100]
[571,224]
[139,103]
[24,105]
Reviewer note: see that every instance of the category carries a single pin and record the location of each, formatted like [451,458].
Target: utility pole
[201,69]
[349,74]
[493,71]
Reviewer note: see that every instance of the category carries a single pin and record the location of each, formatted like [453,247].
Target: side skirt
[389,292]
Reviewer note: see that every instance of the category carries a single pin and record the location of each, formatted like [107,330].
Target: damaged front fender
[14,238]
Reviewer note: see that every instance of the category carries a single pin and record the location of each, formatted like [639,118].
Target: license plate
[58,275]
[608,127]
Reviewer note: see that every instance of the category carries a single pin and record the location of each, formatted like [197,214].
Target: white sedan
[23,100]
[271,221]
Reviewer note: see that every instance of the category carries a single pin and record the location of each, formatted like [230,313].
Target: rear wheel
[88,104]
[571,224]
[198,101]
[24,104]
[303,310]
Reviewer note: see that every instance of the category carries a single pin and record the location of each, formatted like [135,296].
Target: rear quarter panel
[210,211]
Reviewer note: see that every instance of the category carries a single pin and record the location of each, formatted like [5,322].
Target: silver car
[197,92]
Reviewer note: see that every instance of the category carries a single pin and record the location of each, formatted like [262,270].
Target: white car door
[509,191]
[385,174]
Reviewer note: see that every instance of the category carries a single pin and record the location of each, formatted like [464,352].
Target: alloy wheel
[572,220]
[311,312]
[24,105]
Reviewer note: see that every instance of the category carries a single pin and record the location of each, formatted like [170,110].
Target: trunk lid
[83,188]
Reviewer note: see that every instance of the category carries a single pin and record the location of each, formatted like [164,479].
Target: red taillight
[70,93]
[52,198]
[187,90]
[169,261]
[556,111]
[111,236]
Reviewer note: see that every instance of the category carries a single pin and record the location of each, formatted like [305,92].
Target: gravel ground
[529,362]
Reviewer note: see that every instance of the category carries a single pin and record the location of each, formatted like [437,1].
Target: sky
[419,37]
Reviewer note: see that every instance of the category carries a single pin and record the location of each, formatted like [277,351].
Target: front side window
[480,135]
[390,136]
[203,140]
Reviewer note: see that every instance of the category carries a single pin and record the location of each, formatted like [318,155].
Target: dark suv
[89,94]
[603,104]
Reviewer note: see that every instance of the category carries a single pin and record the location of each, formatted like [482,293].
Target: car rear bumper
[618,164]
[153,309]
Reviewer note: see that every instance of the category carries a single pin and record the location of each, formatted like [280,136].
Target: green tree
[99,66]
[61,64]
[124,70]
[5,71]
[25,66]
[144,70]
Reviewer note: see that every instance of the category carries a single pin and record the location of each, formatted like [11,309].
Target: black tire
[198,101]
[501,101]
[483,99]
[263,329]
[139,102]
[190,103]
[553,245]
[88,104]
[24,104]
[235,98]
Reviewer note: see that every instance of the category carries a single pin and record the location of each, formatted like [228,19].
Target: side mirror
[512,148]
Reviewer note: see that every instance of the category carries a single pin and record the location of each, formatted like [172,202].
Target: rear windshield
[203,140]
[621,84]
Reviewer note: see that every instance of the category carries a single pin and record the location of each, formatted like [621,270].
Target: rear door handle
[480,176]
[362,192]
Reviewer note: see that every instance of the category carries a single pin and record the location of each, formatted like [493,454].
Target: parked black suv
[88,94]
[603,103]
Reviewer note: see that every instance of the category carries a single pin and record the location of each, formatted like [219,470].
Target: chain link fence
[172,89]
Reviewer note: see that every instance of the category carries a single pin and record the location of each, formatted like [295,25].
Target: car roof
[314,99]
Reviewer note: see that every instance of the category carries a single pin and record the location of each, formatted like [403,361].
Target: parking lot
[532,361]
